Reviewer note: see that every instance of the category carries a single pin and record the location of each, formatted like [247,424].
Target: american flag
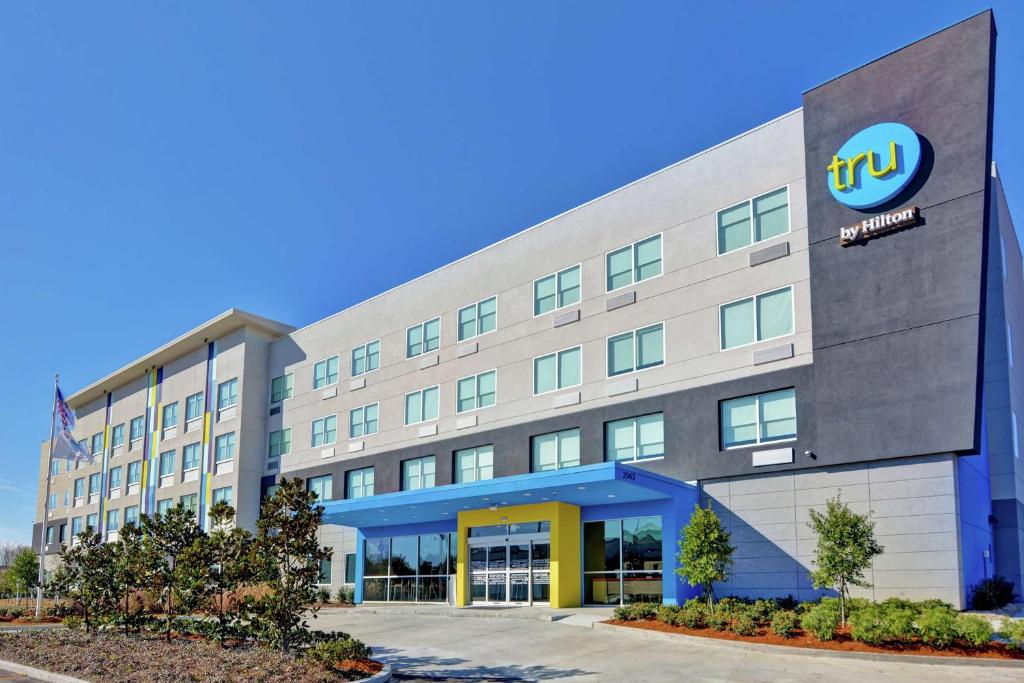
[67,416]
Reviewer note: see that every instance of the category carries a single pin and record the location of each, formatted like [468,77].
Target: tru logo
[874,165]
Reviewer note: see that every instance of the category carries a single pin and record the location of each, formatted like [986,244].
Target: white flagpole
[46,503]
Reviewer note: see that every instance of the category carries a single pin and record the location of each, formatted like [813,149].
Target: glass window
[63,535]
[166,463]
[223,494]
[323,486]
[190,502]
[557,370]
[423,338]
[635,438]
[403,555]
[281,442]
[281,388]
[350,567]
[770,219]
[97,444]
[194,407]
[52,503]
[94,483]
[479,318]
[476,391]
[131,515]
[758,419]
[636,350]
[76,526]
[325,372]
[376,555]
[50,534]
[421,406]
[67,497]
[325,572]
[115,478]
[365,358]
[54,468]
[362,421]
[79,488]
[117,436]
[556,290]
[556,450]
[418,473]
[633,263]
[190,457]
[224,447]
[622,561]
[474,464]
[134,472]
[360,483]
[765,316]
[113,520]
[227,394]
[325,431]
[170,417]
[162,506]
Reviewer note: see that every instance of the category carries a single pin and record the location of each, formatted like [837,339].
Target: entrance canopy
[606,483]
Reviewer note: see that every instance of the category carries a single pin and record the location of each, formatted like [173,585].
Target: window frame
[476,319]
[117,435]
[749,201]
[757,412]
[229,498]
[558,449]
[282,444]
[632,259]
[754,298]
[636,350]
[197,448]
[558,297]
[233,382]
[476,391]
[138,471]
[421,392]
[216,450]
[362,472]
[288,379]
[404,467]
[456,470]
[636,438]
[366,357]
[558,368]
[198,396]
[423,337]
[97,437]
[364,433]
[312,431]
[326,362]
[312,482]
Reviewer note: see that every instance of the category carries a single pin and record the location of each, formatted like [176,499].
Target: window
[362,421]
[167,464]
[52,503]
[360,483]
[557,370]
[406,568]
[757,318]
[281,388]
[117,435]
[79,488]
[170,415]
[67,497]
[325,431]
[622,561]
[93,521]
[224,447]
[479,318]
[113,520]
[636,350]
[162,506]
[131,515]
[365,358]
[770,219]
[325,372]
[280,443]
[190,502]
[190,457]
[94,484]
[633,263]
[54,468]
[418,473]
[137,426]
[325,573]
[635,438]
[555,451]
[134,472]
[763,418]
[476,391]
[556,290]
[474,464]
[194,407]
[423,338]
[84,445]
[227,394]
[1013,428]
[223,495]
[323,486]
[421,406]
[97,444]
[350,567]
[50,534]
[76,527]
[115,478]
[63,533]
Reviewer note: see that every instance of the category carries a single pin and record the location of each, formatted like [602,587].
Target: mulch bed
[843,642]
[115,658]
[30,620]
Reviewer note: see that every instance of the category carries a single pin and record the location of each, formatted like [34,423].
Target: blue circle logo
[874,165]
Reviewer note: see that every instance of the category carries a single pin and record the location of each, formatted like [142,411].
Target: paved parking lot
[427,647]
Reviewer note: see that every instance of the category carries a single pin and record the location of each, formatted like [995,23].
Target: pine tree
[704,551]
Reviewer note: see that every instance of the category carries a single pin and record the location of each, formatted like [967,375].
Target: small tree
[174,555]
[704,551]
[23,574]
[130,573]
[290,556]
[84,575]
[230,551]
[846,547]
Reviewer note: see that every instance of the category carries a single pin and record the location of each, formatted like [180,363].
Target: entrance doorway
[510,570]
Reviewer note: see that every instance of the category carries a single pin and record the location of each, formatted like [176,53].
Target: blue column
[676,513]
[360,547]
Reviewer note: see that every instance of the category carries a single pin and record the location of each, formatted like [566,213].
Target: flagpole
[46,502]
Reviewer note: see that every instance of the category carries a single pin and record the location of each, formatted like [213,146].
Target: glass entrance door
[516,572]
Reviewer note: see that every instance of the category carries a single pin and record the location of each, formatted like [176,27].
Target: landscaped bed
[115,658]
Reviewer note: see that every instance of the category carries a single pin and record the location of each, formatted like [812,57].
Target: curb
[809,652]
[464,612]
[43,674]
[383,677]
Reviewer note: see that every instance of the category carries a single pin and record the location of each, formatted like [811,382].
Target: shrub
[745,622]
[866,625]
[762,610]
[1013,631]
[821,621]
[938,627]
[692,615]
[330,653]
[16,613]
[73,622]
[731,605]
[718,620]
[667,614]
[973,629]
[991,593]
[637,611]
[323,595]
[346,595]
[931,603]
[898,623]
[900,603]
[784,623]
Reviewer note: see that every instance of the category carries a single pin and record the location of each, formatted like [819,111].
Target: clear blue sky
[339,149]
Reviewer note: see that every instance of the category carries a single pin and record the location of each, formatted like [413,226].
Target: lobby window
[754,220]
[406,568]
[117,436]
[194,407]
[280,444]
[325,372]
[115,479]
[479,318]
[360,483]
[633,263]
[421,406]
[555,451]
[636,350]
[223,495]
[558,370]
[137,427]
[474,464]
[227,394]
[325,431]
[281,388]
[170,417]
[363,421]
[423,338]
[131,515]
[167,468]
[622,561]
[134,472]
[418,473]
[635,438]
[323,486]
[224,447]
[325,573]
[476,391]
[162,506]
[97,444]
[556,290]
[366,358]
[190,502]
[190,457]
[757,318]
[758,419]
[94,484]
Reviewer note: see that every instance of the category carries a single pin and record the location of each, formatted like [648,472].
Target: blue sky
[338,149]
